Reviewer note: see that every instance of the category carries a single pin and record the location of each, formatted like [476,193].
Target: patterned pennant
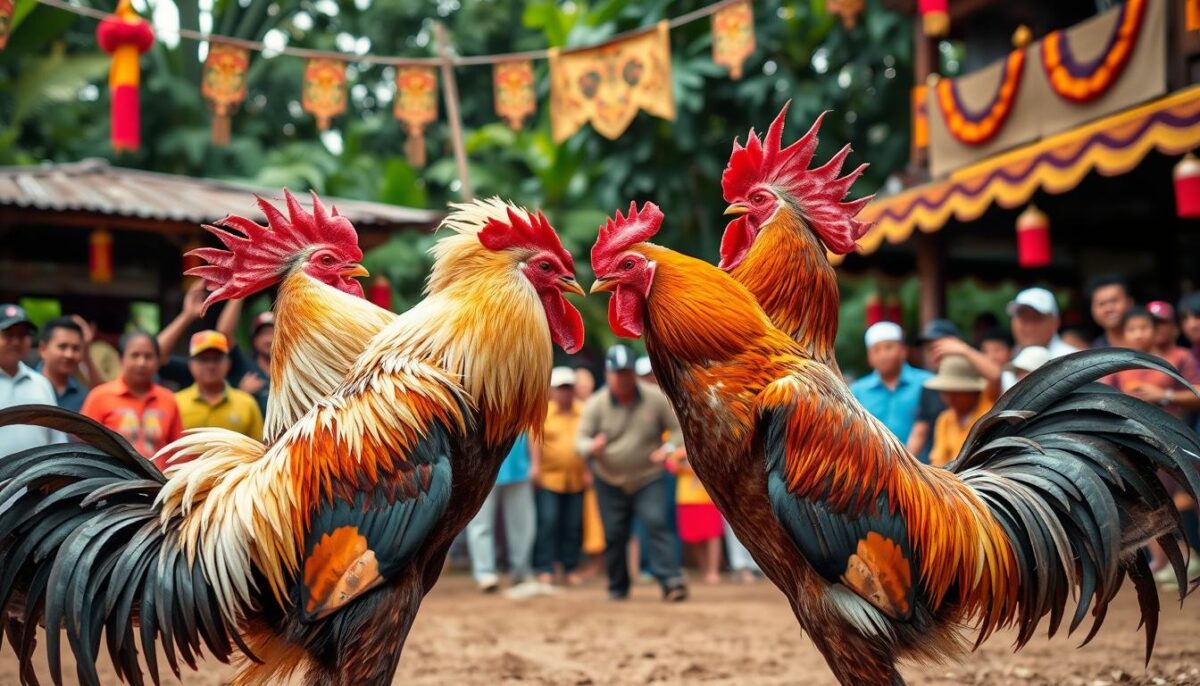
[847,10]
[733,37]
[417,107]
[607,85]
[6,16]
[224,85]
[515,99]
[324,93]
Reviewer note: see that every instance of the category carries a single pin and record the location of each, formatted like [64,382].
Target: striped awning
[1111,146]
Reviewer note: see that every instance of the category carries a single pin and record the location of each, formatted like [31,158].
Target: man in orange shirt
[561,479]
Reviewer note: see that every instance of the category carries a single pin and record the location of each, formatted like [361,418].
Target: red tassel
[126,118]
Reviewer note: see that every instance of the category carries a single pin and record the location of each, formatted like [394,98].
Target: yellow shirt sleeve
[255,428]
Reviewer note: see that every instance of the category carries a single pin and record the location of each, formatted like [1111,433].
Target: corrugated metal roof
[96,186]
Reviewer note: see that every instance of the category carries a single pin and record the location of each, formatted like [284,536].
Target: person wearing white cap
[1028,360]
[1035,321]
[892,392]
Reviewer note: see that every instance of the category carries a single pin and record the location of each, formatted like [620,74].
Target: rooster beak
[355,271]
[602,285]
[570,285]
[736,208]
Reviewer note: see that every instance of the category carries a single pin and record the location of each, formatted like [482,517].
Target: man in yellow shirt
[962,390]
[210,401]
[561,479]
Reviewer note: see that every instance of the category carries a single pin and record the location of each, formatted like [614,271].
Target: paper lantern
[935,17]
[1187,187]
[125,36]
[381,292]
[892,311]
[874,309]
[1033,238]
[100,264]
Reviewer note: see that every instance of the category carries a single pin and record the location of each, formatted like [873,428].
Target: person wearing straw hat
[961,388]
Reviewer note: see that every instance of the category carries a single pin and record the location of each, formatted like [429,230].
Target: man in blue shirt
[513,492]
[892,393]
[21,385]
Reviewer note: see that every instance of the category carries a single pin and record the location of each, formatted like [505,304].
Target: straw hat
[955,373]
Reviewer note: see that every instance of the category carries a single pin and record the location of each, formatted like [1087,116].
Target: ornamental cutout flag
[733,37]
[224,85]
[416,106]
[6,14]
[515,100]
[324,89]
[607,85]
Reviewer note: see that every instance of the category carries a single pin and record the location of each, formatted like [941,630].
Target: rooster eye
[758,198]
[627,264]
[327,260]
[544,266]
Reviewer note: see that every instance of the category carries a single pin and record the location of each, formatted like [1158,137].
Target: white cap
[1030,358]
[1038,299]
[884,331]
[562,376]
[642,366]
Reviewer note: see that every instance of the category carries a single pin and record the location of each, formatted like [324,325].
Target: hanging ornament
[874,310]
[935,17]
[847,10]
[381,293]
[125,36]
[1192,15]
[1187,187]
[224,85]
[513,85]
[733,37]
[6,17]
[1033,238]
[100,263]
[416,106]
[324,94]
[892,311]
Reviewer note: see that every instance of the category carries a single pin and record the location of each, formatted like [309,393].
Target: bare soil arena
[729,634]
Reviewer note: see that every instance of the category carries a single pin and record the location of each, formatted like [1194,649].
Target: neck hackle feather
[817,193]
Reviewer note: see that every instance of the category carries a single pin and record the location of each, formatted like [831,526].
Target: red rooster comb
[619,233]
[817,192]
[523,229]
[257,256]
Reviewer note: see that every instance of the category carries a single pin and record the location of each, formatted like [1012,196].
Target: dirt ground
[729,634]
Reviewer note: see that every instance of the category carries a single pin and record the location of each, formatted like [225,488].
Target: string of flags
[604,85]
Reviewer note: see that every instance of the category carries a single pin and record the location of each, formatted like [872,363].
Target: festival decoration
[324,93]
[979,127]
[874,310]
[846,10]
[1033,238]
[1187,187]
[935,17]
[1085,81]
[892,310]
[733,36]
[416,106]
[513,86]
[1192,15]
[381,293]
[920,116]
[100,258]
[607,85]
[224,85]
[6,17]
[125,36]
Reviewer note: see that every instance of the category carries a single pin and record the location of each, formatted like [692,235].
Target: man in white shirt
[1035,321]
[20,384]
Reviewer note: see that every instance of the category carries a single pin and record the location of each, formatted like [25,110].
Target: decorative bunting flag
[847,10]
[125,36]
[416,106]
[607,85]
[6,14]
[920,116]
[515,99]
[324,89]
[733,37]
[224,85]
[1191,15]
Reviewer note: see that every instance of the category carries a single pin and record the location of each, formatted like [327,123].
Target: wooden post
[450,92]
[931,275]
[925,64]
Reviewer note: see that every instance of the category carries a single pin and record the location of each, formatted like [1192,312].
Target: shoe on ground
[618,595]
[675,594]
[530,589]
[489,583]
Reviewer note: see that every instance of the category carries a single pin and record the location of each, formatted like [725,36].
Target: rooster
[318,334]
[881,557]
[311,555]
[786,214]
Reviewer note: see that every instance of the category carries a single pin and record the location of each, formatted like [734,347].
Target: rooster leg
[853,658]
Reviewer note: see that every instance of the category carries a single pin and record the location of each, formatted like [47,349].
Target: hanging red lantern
[125,36]
[874,309]
[381,292]
[892,311]
[100,263]
[1033,238]
[1187,187]
[935,17]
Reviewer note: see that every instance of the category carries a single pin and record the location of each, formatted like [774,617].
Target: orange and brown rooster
[883,558]
[311,555]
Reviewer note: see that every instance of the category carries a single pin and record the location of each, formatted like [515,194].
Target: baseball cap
[883,331]
[1030,358]
[1039,300]
[11,315]
[203,341]
[937,329]
[1161,310]
[620,358]
[562,376]
[643,367]
[263,319]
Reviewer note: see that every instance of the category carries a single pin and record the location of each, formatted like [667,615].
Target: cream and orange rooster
[312,555]
[883,558]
